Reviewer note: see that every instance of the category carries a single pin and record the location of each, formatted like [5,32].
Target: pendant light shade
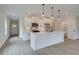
[52,11]
[58,14]
[43,9]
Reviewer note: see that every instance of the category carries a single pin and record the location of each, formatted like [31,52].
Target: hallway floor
[16,46]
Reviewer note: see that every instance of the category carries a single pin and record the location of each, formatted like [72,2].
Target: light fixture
[43,15]
[27,27]
[58,15]
[52,16]
[52,11]
[43,9]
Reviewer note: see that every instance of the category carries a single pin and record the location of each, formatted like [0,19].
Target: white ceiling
[24,9]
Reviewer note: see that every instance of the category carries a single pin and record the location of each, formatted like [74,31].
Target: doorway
[65,29]
[14,27]
[47,27]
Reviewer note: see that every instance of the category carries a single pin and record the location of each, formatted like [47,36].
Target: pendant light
[58,14]
[52,11]
[52,16]
[43,9]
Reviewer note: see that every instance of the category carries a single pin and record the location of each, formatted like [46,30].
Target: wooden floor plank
[16,46]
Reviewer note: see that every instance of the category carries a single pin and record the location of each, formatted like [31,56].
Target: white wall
[21,28]
[3,37]
[77,26]
[72,32]
[70,22]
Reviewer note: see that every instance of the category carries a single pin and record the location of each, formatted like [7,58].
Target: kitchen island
[44,39]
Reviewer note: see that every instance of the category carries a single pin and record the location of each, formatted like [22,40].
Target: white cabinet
[45,39]
[26,36]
